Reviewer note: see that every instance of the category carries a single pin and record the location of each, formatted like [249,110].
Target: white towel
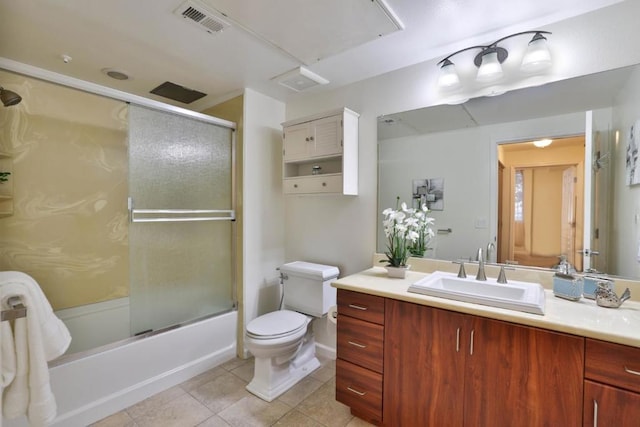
[38,338]
[7,358]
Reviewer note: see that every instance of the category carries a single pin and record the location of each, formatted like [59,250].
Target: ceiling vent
[300,79]
[177,93]
[204,18]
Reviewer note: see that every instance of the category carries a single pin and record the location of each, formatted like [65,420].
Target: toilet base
[271,378]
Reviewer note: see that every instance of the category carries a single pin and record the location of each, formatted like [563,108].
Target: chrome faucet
[480,275]
[489,254]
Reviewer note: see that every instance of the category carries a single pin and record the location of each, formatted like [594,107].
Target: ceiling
[342,41]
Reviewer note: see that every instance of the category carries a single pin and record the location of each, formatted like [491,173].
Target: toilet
[282,341]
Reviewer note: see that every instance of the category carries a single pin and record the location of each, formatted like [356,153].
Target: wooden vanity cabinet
[612,385]
[444,368]
[359,364]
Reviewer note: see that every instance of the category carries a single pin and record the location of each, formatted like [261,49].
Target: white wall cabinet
[320,154]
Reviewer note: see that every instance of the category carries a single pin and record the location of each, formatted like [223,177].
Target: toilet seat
[277,324]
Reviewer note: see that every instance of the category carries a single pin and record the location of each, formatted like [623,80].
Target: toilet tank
[307,287]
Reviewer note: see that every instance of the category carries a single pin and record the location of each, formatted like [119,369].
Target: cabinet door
[297,144]
[610,406]
[423,366]
[327,136]
[522,376]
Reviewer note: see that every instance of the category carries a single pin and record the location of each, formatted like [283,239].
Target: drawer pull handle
[358,307]
[631,371]
[458,340]
[357,344]
[359,393]
[471,345]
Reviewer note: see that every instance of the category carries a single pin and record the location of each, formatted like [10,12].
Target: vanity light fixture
[490,58]
[541,143]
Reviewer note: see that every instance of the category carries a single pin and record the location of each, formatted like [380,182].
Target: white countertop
[584,318]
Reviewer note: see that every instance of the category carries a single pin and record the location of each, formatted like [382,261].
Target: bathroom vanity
[408,359]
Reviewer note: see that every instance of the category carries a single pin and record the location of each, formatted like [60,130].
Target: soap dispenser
[566,284]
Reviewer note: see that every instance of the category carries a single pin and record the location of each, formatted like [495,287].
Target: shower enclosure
[181,213]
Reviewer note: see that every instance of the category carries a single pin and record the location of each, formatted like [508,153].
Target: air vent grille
[202,17]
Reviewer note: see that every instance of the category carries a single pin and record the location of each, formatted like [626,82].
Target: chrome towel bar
[16,310]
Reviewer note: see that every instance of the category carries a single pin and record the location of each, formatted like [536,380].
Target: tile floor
[218,398]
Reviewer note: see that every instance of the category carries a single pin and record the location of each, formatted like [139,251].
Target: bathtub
[93,386]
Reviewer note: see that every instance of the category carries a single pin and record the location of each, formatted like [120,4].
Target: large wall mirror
[490,187]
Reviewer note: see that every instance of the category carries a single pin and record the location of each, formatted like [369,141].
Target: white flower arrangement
[408,232]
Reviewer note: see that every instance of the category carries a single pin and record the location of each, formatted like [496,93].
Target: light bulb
[490,68]
[537,56]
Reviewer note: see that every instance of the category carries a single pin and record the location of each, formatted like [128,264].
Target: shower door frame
[107,92]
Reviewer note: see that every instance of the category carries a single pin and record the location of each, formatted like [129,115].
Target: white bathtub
[95,386]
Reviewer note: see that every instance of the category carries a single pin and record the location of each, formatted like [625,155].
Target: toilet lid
[276,323]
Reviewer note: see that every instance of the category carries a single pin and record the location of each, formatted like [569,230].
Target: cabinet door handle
[358,307]
[631,371]
[357,344]
[595,413]
[471,344]
[359,393]
[458,340]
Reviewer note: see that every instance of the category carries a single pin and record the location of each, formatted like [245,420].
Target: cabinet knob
[295,185]
[307,139]
[310,138]
[324,184]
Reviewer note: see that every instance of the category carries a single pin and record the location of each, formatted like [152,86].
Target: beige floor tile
[254,412]
[221,392]
[324,408]
[214,421]
[297,419]
[203,378]
[245,371]
[119,419]
[154,402]
[300,391]
[234,363]
[325,372]
[184,411]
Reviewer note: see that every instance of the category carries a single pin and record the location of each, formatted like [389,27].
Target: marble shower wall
[69,227]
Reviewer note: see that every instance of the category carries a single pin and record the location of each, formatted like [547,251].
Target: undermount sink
[520,296]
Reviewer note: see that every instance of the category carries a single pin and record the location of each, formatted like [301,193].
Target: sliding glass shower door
[181,209]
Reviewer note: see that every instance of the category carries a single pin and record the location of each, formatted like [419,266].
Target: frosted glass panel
[180,271]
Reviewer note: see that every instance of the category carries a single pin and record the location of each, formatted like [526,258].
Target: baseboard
[325,352]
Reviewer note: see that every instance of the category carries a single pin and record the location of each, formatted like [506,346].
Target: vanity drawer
[360,342]
[614,364]
[360,389]
[366,307]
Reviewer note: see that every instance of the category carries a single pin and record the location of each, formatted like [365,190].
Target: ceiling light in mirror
[541,143]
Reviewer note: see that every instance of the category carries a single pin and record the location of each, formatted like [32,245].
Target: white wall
[262,203]
[342,230]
